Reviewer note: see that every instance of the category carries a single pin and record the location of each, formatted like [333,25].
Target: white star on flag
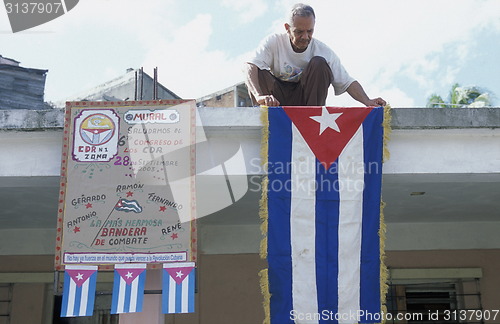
[179,274]
[79,276]
[129,274]
[327,120]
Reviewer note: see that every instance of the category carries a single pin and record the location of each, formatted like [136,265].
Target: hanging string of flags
[178,283]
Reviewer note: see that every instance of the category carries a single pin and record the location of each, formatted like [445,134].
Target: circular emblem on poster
[97,129]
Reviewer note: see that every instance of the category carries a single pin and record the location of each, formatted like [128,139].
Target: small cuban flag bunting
[128,288]
[178,287]
[79,290]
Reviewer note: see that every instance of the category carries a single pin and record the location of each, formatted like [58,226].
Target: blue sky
[400,50]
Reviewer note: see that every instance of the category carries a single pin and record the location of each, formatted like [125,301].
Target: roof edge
[249,117]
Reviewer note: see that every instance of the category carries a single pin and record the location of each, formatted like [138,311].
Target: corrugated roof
[21,88]
[8,61]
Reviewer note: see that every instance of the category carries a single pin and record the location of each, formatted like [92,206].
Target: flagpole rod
[56,284]
[104,223]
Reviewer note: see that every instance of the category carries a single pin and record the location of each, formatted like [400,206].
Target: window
[5,302]
[434,300]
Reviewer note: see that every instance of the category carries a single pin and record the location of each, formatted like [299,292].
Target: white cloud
[396,97]
[247,10]
[381,41]
[186,67]
[143,21]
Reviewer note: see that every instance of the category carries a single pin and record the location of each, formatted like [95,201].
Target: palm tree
[461,97]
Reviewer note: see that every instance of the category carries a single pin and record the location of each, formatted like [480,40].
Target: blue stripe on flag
[178,298]
[327,219]
[165,292]
[140,289]
[370,300]
[127,294]
[92,281]
[192,277]
[279,254]
[78,300]
[65,296]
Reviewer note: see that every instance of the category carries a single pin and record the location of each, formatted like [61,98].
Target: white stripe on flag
[185,295]
[351,182]
[71,297]
[134,286]
[121,296]
[84,298]
[172,293]
[302,227]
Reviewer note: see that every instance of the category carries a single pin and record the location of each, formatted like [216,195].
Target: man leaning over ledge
[293,69]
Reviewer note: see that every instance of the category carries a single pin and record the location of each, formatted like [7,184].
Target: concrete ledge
[402,118]
[21,119]
[420,118]
[248,118]
[442,236]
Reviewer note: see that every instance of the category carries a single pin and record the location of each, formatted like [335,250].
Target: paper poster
[127,183]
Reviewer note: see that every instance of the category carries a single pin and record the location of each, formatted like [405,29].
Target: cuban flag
[324,193]
[128,206]
[178,287]
[128,288]
[78,291]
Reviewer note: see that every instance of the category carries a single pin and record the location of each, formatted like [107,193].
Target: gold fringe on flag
[264,289]
[263,218]
[263,274]
[387,132]
[384,272]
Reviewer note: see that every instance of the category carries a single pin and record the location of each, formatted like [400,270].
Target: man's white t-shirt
[276,54]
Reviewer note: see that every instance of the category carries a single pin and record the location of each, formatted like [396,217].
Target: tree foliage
[460,97]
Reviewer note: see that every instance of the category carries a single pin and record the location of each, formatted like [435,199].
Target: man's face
[301,32]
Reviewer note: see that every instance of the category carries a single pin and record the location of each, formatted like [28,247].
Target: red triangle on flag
[129,274]
[79,276]
[179,274]
[327,130]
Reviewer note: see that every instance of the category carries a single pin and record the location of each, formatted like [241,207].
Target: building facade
[20,87]
[235,96]
[441,186]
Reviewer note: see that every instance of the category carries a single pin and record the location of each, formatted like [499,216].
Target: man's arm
[253,85]
[356,91]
